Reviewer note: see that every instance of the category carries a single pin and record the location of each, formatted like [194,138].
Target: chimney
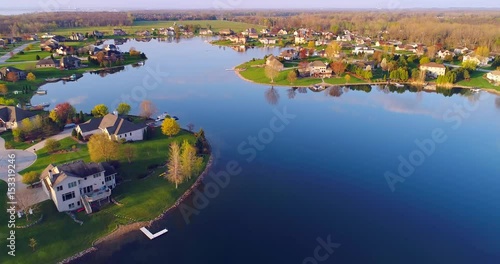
[51,177]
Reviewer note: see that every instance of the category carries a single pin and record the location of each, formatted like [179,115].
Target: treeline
[41,22]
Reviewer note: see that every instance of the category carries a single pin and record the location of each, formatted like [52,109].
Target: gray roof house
[78,184]
[21,75]
[11,116]
[47,63]
[115,127]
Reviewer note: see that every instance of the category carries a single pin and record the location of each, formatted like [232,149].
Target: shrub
[30,177]
[52,145]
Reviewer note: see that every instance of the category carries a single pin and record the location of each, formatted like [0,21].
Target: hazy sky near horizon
[54,5]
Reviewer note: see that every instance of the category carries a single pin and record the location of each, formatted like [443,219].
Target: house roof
[108,169]
[433,65]
[14,114]
[76,169]
[317,64]
[47,61]
[115,125]
[6,70]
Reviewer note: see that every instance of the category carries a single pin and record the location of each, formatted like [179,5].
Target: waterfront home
[47,63]
[70,62]
[300,40]
[275,63]
[12,116]
[108,47]
[253,35]
[282,32]
[460,50]
[249,31]
[238,39]
[47,36]
[205,31]
[49,45]
[320,70]
[226,32]
[115,127]
[75,184]
[267,41]
[119,32]
[289,55]
[494,76]
[97,34]
[433,69]
[265,31]
[5,71]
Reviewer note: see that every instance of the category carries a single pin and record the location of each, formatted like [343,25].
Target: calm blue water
[320,175]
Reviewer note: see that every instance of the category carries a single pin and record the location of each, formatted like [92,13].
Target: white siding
[134,135]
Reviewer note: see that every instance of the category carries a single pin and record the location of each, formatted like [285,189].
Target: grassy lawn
[477,80]
[257,74]
[44,158]
[9,140]
[30,55]
[59,237]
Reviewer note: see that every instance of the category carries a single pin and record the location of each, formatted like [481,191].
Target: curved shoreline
[121,230]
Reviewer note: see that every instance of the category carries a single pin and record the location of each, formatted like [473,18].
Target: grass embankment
[10,143]
[477,80]
[252,72]
[29,55]
[59,237]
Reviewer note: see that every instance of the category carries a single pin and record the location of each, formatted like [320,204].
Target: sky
[55,5]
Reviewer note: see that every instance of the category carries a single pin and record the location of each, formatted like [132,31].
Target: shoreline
[237,72]
[121,230]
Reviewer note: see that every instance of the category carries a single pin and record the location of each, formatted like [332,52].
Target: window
[96,175]
[102,183]
[71,205]
[71,184]
[68,196]
[131,133]
[108,178]
[125,135]
[59,188]
[78,203]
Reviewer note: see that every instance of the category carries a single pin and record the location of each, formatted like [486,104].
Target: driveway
[64,134]
[15,51]
[23,159]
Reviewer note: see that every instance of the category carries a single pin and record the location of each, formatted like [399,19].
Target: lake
[360,175]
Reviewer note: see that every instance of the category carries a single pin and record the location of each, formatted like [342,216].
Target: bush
[73,133]
[30,177]
[79,137]
[52,145]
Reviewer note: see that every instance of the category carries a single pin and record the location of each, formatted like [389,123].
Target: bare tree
[147,109]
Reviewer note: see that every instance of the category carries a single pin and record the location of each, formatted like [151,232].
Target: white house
[460,50]
[362,49]
[115,127]
[443,53]
[206,31]
[320,69]
[300,40]
[76,184]
[478,60]
[433,69]
[11,116]
[494,76]
[267,41]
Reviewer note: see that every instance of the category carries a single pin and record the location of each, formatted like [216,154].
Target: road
[24,159]
[7,56]
[458,66]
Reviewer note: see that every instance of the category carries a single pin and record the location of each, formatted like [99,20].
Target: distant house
[253,35]
[433,69]
[271,60]
[362,50]
[444,53]
[479,61]
[300,40]
[289,55]
[320,69]
[249,31]
[78,184]
[321,42]
[282,32]
[50,45]
[115,127]
[48,36]
[460,50]
[226,32]
[267,41]
[109,47]
[77,37]
[70,62]
[494,76]
[205,31]
[265,31]
[144,33]
[47,63]
[12,116]
[21,75]
[119,32]
[59,38]
[238,39]
[97,34]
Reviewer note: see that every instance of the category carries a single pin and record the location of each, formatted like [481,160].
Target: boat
[175,118]
[399,85]
[41,92]
[161,117]
[52,79]
[475,90]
